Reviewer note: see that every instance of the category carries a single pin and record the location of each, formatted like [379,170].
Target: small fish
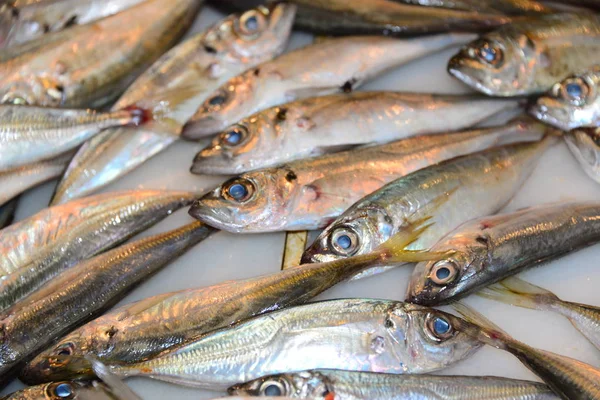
[320,125]
[308,72]
[25,20]
[517,292]
[41,246]
[585,146]
[89,65]
[7,212]
[230,46]
[352,385]
[572,103]
[68,390]
[529,57]
[486,250]
[85,290]
[309,194]
[506,7]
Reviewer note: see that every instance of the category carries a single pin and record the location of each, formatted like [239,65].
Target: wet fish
[67,390]
[350,385]
[307,72]
[89,65]
[529,57]
[489,249]
[585,318]
[226,49]
[84,291]
[585,146]
[320,125]
[309,194]
[572,103]
[507,7]
[25,20]
[7,212]
[41,246]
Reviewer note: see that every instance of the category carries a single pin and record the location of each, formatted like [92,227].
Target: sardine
[307,72]
[309,194]
[572,103]
[67,390]
[84,291]
[25,20]
[7,212]
[351,385]
[585,146]
[529,57]
[45,244]
[226,49]
[320,125]
[89,65]
[486,250]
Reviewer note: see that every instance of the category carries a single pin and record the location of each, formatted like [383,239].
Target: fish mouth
[458,68]
[213,165]
[202,127]
[217,217]
[548,115]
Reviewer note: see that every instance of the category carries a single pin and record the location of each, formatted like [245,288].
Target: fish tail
[520,293]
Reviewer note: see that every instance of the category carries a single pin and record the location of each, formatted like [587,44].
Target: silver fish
[307,72]
[585,146]
[25,20]
[38,248]
[67,390]
[530,56]
[320,125]
[486,250]
[229,47]
[572,103]
[352,385]
[89,65]
[309,194]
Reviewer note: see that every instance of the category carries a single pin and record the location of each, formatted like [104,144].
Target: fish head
[64,390]
[497,65]
[572,103]
[358,231]
[303,385]
[585,145]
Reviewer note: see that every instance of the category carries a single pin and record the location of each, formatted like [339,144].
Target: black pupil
[442,273]
[273,390]
[251,23]
[217,100]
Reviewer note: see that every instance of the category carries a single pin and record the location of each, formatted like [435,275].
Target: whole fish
[352,385]
[16,181]
[144,329]
[507,7]
[446,194]
[309,194]
[7,212]
[486,250]
[89,65]
[354,334]
[529,57]
[572,103]
[25,20]
[41,246]
[585,146]
[84,291]
[585,318]
[229,47]
[307,72]
[67,390]
[320,125]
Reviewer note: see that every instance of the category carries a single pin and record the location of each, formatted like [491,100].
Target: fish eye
[251,23]
[443,272]
[574,90]
[490,53]
[238,190]
[60,390]
[344,241]
[66,349]
[234,136]
[439,327]
[217,101]
[272,388]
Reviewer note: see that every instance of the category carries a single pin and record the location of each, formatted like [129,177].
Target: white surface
[225,256]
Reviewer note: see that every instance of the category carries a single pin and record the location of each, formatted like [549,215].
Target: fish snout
[202,126]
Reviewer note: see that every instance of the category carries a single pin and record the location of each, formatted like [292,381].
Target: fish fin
[520,293]
[115,383]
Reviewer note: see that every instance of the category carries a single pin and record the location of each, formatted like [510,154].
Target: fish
[18,180]
[144,329]
[449,193]
[320,125]
[585,146]
[310,194]
[68,390]
[355,334]
[572,103]
[25,20]
[487,250]
[55,239]
[585,318]
[352,385]
[7,212]
[506,7]
[88,66]
[307,72]
[528,57]
[229,47]
[84,291]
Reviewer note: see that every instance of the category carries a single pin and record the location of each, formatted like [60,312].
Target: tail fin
[519,293]
[115,384]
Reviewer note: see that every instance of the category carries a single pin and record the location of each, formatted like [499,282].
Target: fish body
[310,194]
[206,60]
[66,390]
[585,146]
[486,250]
[39,247]
[528,57]
[351,385]
[89,65]
[7,212]
[507,7]
[308,72]
[320,125]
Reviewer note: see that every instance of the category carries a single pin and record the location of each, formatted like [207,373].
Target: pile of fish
[92,89]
